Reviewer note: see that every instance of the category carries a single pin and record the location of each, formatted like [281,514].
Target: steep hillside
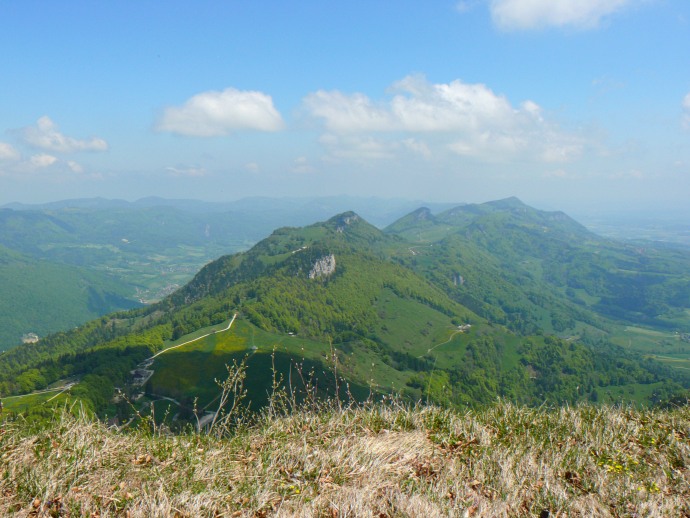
[42,297]
[151,246]
[547,254]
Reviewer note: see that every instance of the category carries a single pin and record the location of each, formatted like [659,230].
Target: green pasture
[192,370]
[636,393]
[413,328]
[664,346]
[19,404]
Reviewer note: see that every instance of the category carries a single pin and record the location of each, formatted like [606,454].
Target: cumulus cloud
[342,113]
[211,114]
[8,152]
[471,119]
[75,167]
[44,165]
[45,135]
[418,106]
[42,160]
[537,14]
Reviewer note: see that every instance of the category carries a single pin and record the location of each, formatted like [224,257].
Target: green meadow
[20,404]
[666,347]
[193,369]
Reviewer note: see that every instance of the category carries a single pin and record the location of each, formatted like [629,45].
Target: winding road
[59,389]
[198,338]
[69,385]
[442,343]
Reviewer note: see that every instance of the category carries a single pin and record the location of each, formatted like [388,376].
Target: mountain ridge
[482,310]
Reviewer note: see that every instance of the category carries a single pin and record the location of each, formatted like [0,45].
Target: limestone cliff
[323,267]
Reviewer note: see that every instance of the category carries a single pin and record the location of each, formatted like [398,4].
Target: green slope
[547,254]
[43,297]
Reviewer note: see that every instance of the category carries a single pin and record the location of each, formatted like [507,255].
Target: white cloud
[75,167]
[45,135]
[42,160]
[467,119]
[343,113]
[8,152]
[45,165]
[211,114]
[446,107]
[536,14]
[686,107]
[418,107]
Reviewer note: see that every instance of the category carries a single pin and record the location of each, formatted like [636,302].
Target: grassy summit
[376,460]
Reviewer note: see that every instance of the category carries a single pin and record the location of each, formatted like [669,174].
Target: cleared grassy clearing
[664,346]
[19,404]
[191,370]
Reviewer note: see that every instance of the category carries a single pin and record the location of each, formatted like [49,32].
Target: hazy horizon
[597,218]
[568,105]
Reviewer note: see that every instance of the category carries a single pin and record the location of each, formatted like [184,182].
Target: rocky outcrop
[346,220]
[323,267]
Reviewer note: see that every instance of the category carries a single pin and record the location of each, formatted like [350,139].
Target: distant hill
[292,211]
[550,255]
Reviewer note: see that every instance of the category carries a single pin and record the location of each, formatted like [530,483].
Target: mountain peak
[348,222]
[508,203]
[345,218]
[422,214]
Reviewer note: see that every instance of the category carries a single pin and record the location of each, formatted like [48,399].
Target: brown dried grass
[373,461]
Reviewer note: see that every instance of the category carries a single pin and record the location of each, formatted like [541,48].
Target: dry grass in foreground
[378,461]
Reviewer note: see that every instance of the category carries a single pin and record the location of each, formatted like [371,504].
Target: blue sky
[563,103]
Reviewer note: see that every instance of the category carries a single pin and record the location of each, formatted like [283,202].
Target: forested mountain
[550,256]
[151,247]
[42,297]
[458,308]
